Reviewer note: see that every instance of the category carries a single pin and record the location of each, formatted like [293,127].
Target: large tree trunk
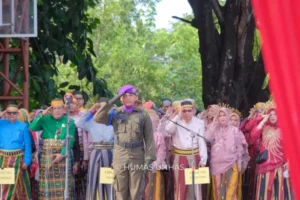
[230,73]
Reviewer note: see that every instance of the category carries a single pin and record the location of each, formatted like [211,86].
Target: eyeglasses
[78,98]
[12,113]
[185,111]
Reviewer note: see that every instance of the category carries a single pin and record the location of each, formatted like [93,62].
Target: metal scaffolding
[18,19]
[9,83]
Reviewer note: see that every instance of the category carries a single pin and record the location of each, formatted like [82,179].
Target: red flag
[280,32]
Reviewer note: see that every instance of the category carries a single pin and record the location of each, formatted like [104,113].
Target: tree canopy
[129,50]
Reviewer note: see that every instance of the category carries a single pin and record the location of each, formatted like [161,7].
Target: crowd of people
[147,147]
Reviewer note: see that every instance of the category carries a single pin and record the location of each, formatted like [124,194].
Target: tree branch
[216,8]
[181,19]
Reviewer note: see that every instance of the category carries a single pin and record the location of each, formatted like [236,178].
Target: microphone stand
[193,134]
[67,145]
[191,131]
[193,167]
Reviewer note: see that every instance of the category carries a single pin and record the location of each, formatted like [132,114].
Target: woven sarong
[21,188]
[99,158]
[182,159]
[228,184]
[272,185]
[155,188]
[52,176]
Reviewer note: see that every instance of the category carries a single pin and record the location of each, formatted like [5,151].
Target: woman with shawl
[226,153]
[271,183]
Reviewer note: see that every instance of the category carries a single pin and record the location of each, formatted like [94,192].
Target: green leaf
[64,84]
[74,87]
[36,86]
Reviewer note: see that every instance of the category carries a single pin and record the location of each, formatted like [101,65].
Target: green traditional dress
[52,176]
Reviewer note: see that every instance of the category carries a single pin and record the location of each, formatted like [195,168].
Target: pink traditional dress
[226,158]
[271,184]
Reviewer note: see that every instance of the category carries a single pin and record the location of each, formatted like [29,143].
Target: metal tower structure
[18,20]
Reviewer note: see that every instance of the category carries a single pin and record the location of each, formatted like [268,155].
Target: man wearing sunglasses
[184,147]
[15,152]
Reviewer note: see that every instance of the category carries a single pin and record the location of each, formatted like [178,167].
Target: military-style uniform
[133,149]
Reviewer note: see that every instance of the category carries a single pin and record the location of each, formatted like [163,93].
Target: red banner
[279,24]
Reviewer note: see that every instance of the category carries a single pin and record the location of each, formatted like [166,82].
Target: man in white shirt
[182,149]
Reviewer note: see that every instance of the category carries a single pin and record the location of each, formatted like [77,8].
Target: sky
[168,8]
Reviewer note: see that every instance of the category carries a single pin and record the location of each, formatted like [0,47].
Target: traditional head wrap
[148,105]
[177,105]
[186,104]
[191,100]
[12,107]
[57,103]
[23,115]
[128,89]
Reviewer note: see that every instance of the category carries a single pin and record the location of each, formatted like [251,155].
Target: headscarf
[217,117]
[268,123]
[237,117]
[177,105]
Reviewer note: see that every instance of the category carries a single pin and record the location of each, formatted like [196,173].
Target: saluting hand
[170,113]
[266,117]
[45,112]
[2,114]
[95,107]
